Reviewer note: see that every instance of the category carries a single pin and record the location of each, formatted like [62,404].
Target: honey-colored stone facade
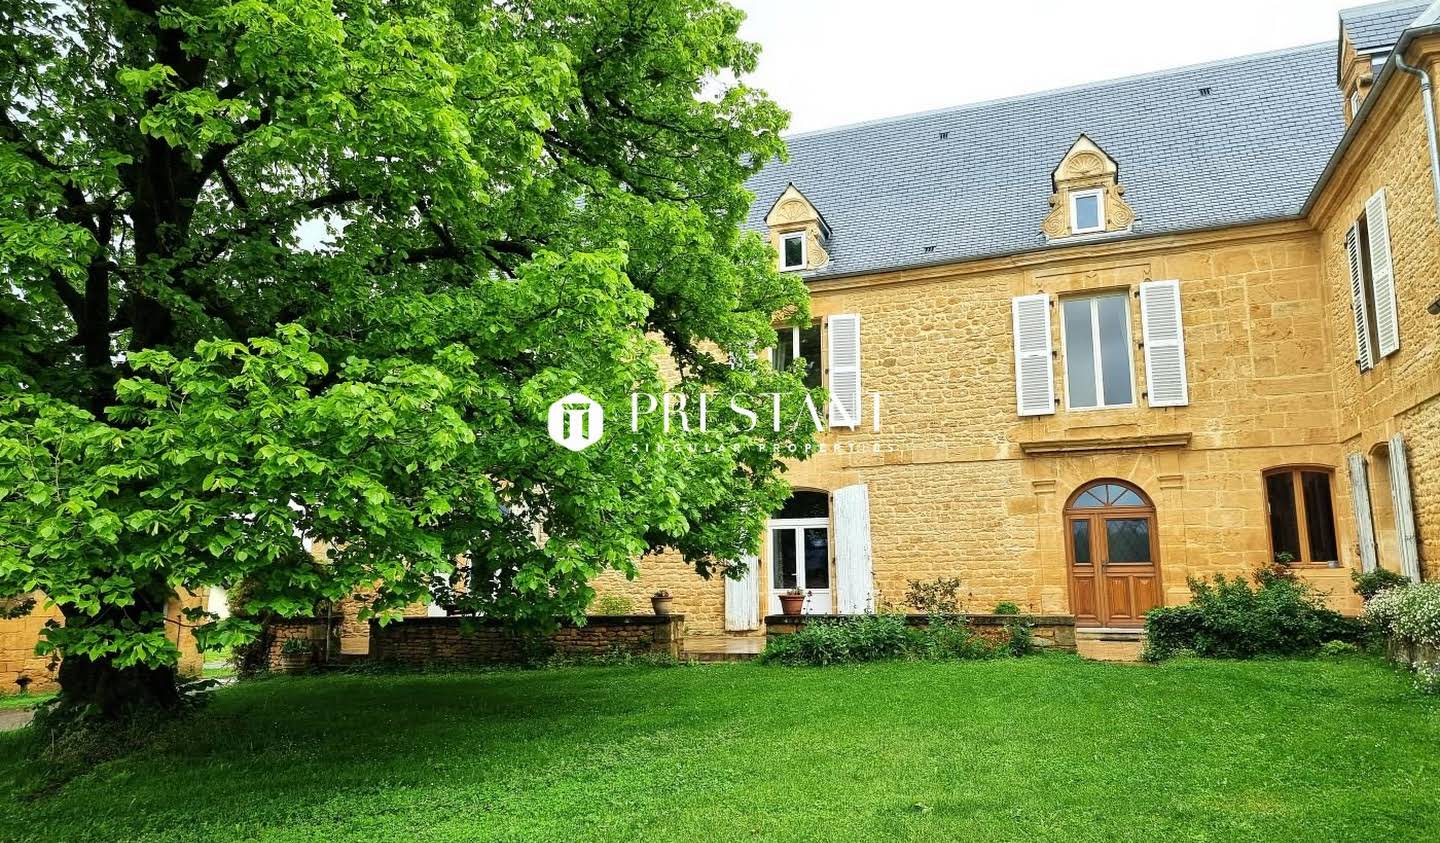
[961,486]
[19,636]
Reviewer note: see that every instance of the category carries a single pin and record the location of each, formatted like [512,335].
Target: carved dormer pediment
[1086,170]
[794,214]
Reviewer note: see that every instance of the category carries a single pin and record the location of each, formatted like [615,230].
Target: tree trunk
[116,691]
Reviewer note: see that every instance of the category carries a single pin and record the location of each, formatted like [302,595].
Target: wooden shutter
[1404,506]
[742,597]
[854,570]
[1364,355]
[1382,275]
[1034,372]
[1364,524]
[843,336]
[1160,325]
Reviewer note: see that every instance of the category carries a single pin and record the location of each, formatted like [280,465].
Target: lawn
[1046,748]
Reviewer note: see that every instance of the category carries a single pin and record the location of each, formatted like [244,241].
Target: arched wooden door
[1113,554]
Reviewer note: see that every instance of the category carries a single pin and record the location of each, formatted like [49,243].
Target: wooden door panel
[1117,599]
[1146,590]
[1083,604]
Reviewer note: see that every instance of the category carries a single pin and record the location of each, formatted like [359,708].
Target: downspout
[1428,97]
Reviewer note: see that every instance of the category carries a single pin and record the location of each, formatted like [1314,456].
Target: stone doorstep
[1110,633]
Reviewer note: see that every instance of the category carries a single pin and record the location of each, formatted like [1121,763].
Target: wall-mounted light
[1434,308]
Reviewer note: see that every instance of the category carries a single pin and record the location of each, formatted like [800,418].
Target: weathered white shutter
[1364,355]
[1034,373]
[1364,523]
[1404,507]
[1382,275]
[742,597]
[854,571]
[843,335]
[1160,325]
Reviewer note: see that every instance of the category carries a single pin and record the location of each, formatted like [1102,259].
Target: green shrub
[935,597]
[1427,680]
[1338,648]
[1228,618]
[613,604]
[866,638]
[1371,583]
[1021,640]
[1005,607]
[1408,611]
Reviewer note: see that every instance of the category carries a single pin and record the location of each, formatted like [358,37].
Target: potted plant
[791,601]
[660,601]
[295,655]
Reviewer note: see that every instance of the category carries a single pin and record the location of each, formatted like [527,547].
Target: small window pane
[806,505]
[782,558]
[794,251]
[1080,540]
[1087,212]
[810,351]
[1128,540]
[1115,349]
[817,558]
[1319,516]
[1125,497]
[1089,500]
[1079,353]
[1284,523]
[783,354]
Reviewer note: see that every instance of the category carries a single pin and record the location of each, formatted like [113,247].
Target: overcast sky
[832,62]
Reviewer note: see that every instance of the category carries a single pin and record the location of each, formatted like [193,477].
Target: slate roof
[1249,150]
[1378,25]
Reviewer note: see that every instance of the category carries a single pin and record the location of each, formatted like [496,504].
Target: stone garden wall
[460,640]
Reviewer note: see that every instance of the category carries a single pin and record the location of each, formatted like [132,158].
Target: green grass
[1048,748]
[20,702]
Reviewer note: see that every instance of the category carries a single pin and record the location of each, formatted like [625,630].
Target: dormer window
[792,251]
[1087,211]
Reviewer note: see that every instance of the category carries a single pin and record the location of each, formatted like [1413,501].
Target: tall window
[1302,515]
[799,343]
[1095,331]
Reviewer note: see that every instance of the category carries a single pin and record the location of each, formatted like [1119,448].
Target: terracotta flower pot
[791,604]
[661,605]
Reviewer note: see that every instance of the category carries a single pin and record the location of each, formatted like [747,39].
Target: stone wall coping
[565,623]
[978,619]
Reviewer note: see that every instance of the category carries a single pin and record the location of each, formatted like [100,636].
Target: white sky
[832,62]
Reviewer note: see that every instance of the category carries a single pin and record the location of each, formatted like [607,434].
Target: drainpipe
[1427,95]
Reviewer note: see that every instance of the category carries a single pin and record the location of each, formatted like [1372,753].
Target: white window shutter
[1404,506]
[1164,333]
[742,597]
[843,336]
[854,569]
[1364,355]
[1034,372]
[1364,523]
[1382,275]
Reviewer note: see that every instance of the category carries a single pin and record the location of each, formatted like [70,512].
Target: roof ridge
[1083,86]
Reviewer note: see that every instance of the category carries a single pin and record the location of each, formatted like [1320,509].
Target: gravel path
[13,719]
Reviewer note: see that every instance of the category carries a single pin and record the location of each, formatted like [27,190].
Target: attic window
[792,251]
[1205,92]
[1086,211]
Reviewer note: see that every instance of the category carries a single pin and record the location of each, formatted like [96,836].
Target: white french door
[800,558]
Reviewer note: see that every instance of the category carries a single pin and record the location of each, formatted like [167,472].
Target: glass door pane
[1128,540]
[817,558]
[782,558]
[1080,540]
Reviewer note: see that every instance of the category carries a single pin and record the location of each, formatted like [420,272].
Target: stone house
[1122,334]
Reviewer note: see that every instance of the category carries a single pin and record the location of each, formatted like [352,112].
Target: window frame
[791,334]
[1075,197]
[1302,517]
[1093,298]
[1367,284]
[804,256]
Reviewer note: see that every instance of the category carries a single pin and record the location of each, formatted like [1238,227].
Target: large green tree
[316,268]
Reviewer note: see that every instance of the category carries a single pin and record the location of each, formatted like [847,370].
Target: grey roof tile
[1378,25]
[1248,151]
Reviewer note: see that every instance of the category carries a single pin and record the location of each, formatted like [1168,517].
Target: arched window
[803,504]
